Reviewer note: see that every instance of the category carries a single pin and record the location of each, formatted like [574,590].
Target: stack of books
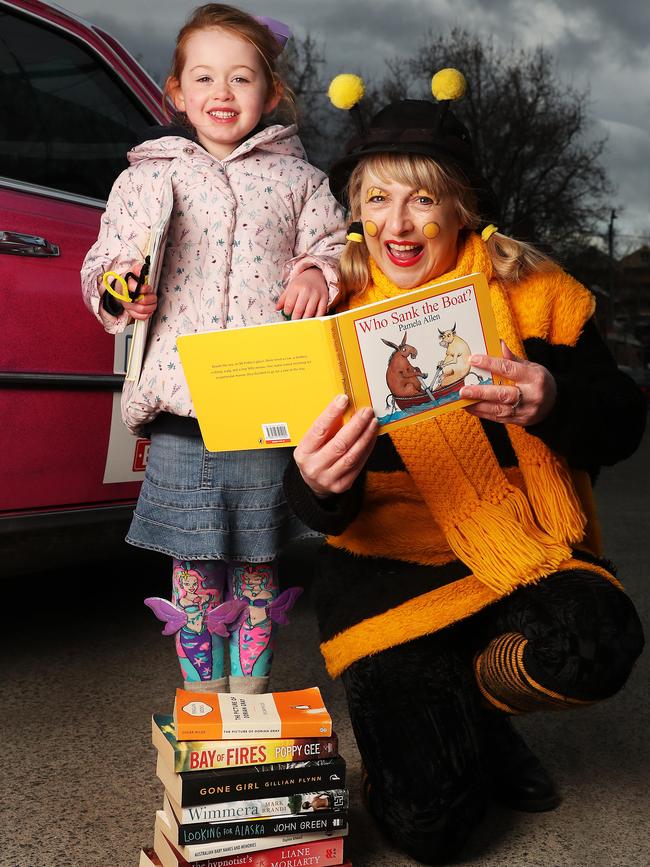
[249,779]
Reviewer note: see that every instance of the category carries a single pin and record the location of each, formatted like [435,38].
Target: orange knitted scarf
[507,536]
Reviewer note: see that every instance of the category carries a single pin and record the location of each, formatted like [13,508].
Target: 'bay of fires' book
[167,825]
[407,357]
[203,755]
[322,822]
[193,788]
[299,713]
[324,853]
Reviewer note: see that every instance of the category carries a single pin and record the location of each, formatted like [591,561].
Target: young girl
[255,234]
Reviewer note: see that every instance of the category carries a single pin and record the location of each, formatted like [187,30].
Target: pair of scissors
[111,278]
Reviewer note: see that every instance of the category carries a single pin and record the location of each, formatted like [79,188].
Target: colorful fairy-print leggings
[198,587]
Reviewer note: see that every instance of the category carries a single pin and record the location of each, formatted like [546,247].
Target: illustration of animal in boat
[406,382]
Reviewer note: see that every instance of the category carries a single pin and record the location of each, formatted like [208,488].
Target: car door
[68,118]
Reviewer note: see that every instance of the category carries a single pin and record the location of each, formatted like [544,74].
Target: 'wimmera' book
[194,788]
[256,829]
[167,825]
[332,800]
[204,755]
[324,853]
[406,357]
[299,713]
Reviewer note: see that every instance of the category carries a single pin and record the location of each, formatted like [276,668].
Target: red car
[73,102]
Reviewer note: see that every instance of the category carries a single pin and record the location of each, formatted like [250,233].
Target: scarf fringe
[503,546]
[553,497]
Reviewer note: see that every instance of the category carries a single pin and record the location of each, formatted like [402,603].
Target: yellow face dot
[370,228]
[430,230]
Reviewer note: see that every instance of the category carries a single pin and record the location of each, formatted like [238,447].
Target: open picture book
[407,357]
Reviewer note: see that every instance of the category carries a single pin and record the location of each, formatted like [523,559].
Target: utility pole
[610,251]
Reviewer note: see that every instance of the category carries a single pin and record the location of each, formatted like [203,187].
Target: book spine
[302,803]
[339,360]
[252,752]
[263,844]
[322,822]
[207,731]
[218,786]
[324,853]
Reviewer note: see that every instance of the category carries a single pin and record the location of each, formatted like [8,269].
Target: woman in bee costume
[462,580]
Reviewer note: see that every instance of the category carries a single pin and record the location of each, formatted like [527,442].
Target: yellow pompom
[346,90]
[448,84]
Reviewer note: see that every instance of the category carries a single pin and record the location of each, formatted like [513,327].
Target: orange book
[203,716]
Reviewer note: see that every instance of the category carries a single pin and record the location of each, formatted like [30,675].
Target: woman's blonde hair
[512,260]
[239,23]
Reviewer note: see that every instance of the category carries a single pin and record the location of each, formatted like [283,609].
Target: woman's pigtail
[513,260]
[353,265]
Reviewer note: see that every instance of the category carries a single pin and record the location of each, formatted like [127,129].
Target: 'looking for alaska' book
[406,357]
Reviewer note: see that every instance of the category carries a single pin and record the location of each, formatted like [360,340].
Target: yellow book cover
[407,357]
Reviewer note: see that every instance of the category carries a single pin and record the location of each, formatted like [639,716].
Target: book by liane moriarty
[298,713]
[324,853]
[194,788]
[407,357]
[166,826]
[204,755]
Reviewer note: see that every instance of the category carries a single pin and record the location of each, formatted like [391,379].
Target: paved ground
[84,666]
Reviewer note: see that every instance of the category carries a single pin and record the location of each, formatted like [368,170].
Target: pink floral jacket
[240,229]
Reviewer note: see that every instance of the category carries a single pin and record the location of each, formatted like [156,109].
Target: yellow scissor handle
[117,278]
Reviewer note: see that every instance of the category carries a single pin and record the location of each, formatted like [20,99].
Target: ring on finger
[517,403]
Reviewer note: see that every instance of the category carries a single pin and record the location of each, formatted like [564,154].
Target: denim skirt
[201,505]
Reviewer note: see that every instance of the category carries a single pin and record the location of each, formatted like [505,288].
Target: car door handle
[17,244]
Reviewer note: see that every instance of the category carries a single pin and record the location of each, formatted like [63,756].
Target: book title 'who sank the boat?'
[407,357]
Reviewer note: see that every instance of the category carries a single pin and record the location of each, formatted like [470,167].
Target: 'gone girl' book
[406,357]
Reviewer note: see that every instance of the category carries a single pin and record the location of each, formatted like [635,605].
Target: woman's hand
[528,401]
[329,456]
[306,295]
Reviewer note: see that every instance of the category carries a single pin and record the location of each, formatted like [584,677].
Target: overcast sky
[600,44]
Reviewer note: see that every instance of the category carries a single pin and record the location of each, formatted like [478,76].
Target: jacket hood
[170,142]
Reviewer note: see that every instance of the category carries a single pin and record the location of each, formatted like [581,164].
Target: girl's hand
[147,299]
[306,295]
[525,403]
[329,456]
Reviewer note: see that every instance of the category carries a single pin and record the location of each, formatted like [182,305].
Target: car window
[66,121]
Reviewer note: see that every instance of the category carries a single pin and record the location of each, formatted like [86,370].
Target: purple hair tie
[277,28]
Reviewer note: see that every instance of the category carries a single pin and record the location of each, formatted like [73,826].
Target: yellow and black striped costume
[455,514]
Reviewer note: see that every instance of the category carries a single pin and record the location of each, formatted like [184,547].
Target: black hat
[411,126]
